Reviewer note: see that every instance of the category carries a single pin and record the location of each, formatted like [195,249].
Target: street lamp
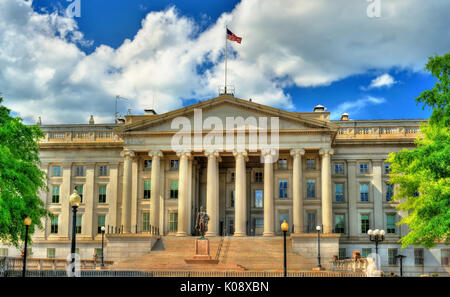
[285,228]
[102,264]
[318,228]
[401,263]
[74,200]
[376,236]
[27,223]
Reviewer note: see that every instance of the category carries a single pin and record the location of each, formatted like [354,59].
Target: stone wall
[306,245]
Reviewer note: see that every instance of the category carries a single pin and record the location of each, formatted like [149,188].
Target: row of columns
[212,191]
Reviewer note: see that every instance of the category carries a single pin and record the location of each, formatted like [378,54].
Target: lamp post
[401,263]
[318,228]
[27,223]
[102,264]
[285,228]
[376,236]
[74,200]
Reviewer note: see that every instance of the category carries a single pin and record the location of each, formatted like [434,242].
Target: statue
[201,223]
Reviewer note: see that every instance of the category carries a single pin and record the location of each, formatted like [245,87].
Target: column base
[239,234]
[181,234]
[268,234]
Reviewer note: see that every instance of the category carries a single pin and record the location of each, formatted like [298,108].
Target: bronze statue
[201,223]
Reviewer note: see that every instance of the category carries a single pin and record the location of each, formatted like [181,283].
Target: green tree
[423,174]
[20,178]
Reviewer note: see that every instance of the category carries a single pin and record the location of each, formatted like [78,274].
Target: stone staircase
[236,254]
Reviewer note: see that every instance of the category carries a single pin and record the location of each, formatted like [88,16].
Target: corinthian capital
[126,153]
[297,152]
[327,151]
[184,153]
[154,154]
[241,153]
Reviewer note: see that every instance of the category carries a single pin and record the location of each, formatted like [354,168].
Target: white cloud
[293,42]
[354,107]
[384,80]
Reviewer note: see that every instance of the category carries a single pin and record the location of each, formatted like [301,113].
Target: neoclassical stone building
[327,173]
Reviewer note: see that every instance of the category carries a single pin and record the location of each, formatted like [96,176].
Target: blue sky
[166,55]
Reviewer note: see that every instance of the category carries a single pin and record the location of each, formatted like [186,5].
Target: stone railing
[378,132]
[349,265]
[80,136]
[16,263]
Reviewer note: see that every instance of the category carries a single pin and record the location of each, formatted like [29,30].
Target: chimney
[150,111]
[319,108]
[344,117]
[91,120]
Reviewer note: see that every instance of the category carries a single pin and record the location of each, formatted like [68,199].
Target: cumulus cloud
[355,106]
[301,43]
[384,80]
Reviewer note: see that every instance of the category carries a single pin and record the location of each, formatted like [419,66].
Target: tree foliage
[423,174]
[20,178]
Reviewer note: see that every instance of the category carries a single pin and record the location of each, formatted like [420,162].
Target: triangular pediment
[226,107]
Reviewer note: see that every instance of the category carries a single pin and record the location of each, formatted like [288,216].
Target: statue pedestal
[202,255]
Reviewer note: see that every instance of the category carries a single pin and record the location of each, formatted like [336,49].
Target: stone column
[155,187]
[183,189]
[268,193]
[135,184]
[240,208]
[327,207]
[65,192]
[212,197]
[297,189]
[126,192]
[112,195]
[88,223]
[352,201]
[377,183]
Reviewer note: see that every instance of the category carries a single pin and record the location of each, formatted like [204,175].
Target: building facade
[132,180]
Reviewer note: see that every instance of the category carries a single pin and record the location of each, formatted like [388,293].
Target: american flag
[231,36]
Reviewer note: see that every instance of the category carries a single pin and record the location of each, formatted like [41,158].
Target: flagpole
[226,57]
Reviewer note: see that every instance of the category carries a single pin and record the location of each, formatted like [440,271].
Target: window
[392,256]
[342,253]
[366,252]
[79,171]
[174,164]
[284,216]
[311,222]
[233,195]
[339,223]
[339,168]
[102,194]
[173,222]
[365,224]
[147,165]
[389,191]
[54,224]
[79,189]
[387,168]
[56,170]
[147,189]
[364,192]
[282,164]
[98,252]
[445,256]
[390,224]
[146,221]
[310,164]
[55,194]
[3,252]
[363,168]
[283,189]
[258,177]
[51,253]
[232,176]
[100,223]
[418,256]
[339,190]
[103,170]
[259,198]
[78,226]
[311,188]
[173,189]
